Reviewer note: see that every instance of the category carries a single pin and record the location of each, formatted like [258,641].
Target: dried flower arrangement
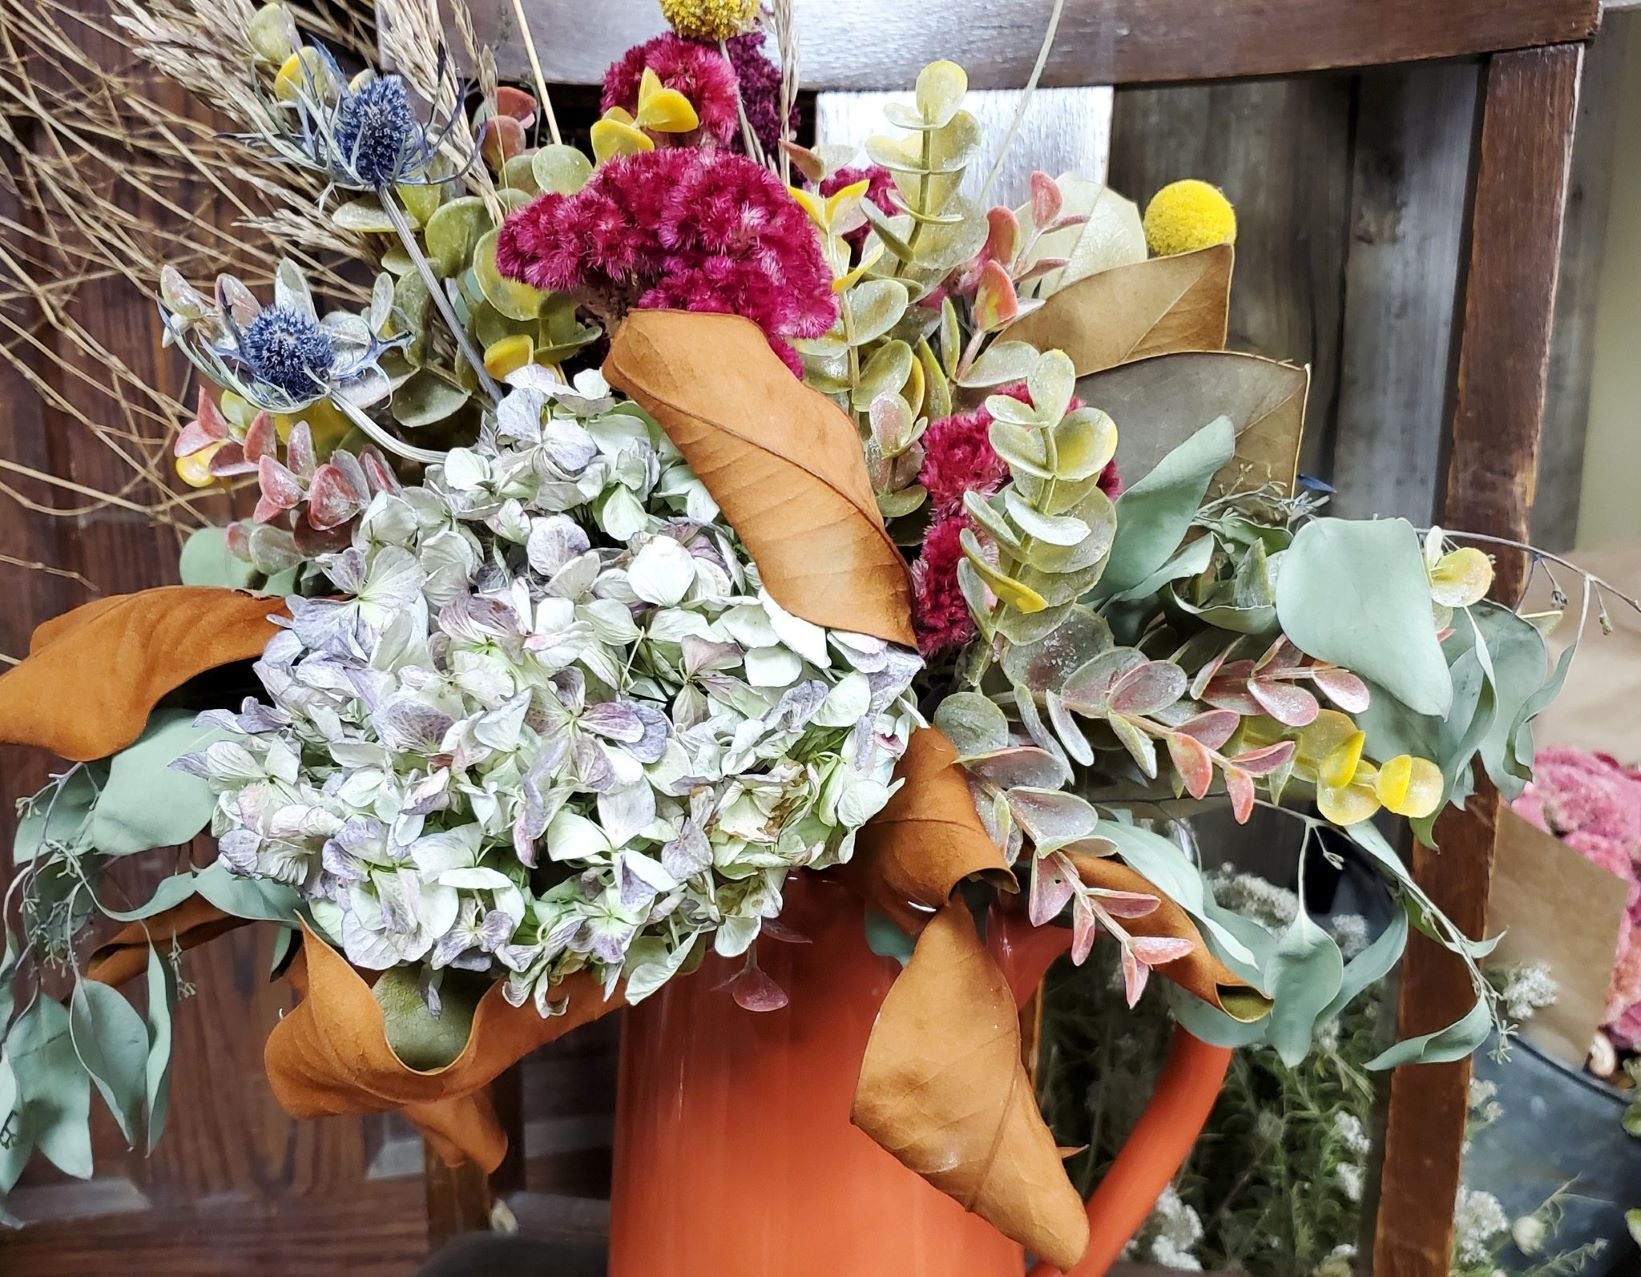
[661,523]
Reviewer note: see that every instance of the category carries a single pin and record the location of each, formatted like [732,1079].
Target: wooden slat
[1415,133]
[873,44]
[1528,108]
[1584,237]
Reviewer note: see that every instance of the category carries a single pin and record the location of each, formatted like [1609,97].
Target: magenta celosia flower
[958,458]
[940,615]
[698,230]
[760,81]
[880,183]
[698,71]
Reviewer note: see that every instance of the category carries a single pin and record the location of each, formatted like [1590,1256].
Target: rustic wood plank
[867,44]
[1281,152]
[1584,235]
[1529,104]
[1064,131]
[1415,133]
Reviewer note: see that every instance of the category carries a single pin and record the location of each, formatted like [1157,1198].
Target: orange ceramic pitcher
[734,1154]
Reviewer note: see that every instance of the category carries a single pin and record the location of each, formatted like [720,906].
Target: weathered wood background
[1351,190]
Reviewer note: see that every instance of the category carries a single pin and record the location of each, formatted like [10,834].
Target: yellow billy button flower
[711,20]
[1185,216]
[1349,788]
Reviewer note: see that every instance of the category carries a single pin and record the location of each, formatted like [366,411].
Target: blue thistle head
[287,350]
[373,128]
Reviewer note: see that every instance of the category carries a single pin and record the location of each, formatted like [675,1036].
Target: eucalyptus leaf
[1457,1040]
[1176,877]
[1154,514]
[146,802]
[257,899]
[1356,593]
[875,306]
[162,1002]
[111,1042]
[563,170]
[973,723]
[56,1093]
[57,815]
[15,1145]
[1371,965]
[886,939]
[426,399]
[1306,973]
[206,560]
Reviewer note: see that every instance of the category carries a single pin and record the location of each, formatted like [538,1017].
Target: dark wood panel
[1281,152]
[869,44]
[1528,108]
[1410,167]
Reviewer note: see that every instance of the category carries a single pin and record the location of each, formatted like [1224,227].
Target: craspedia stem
[435,287]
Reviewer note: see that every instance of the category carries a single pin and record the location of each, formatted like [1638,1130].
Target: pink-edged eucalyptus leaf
[1212,727]
[1204,676]
[1151,687]
[1125,904]
[229,461]
[1343,688]
[1046,199]
[1288,704]
[995,302]
[1002,235]
[1051,888]
[1065,727]
[1019,765]
[1280,655]
[1192,761]
[332,498]
[281,489]
[353,474]
[754,990]
[1134,975]
[516,103]
[1139,746]
[1051,815]
[1239,787]
[1156,950]
[1266,759]
[1089,687]
[1084,929]
[261,439]
[503,139]
[299,453]
[378,474]
[208,426]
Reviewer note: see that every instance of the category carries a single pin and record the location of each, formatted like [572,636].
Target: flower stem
[380,437]
[435,288]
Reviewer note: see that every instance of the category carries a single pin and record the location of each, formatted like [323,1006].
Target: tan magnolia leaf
[926,840]
[1154,307]
[330,1054]
[93,675]
[1199,972]
[124,955]
[782,461]
[1158,403]
[944,1089]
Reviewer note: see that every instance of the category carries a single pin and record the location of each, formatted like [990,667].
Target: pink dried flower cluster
[760,81]
[880,184]
[696,70]
[958,458]
[1593,804]
[698,230]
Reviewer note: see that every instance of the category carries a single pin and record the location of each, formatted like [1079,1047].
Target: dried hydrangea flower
[548,720]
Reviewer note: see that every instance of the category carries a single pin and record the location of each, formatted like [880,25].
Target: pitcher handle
[1192,1075]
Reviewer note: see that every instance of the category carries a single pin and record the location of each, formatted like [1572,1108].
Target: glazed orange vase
[734,1153]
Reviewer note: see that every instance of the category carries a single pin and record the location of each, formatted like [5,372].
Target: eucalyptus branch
[1509,544]
[435,288]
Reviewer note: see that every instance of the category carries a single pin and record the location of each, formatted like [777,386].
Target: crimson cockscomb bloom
[698,230]
[696,70]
